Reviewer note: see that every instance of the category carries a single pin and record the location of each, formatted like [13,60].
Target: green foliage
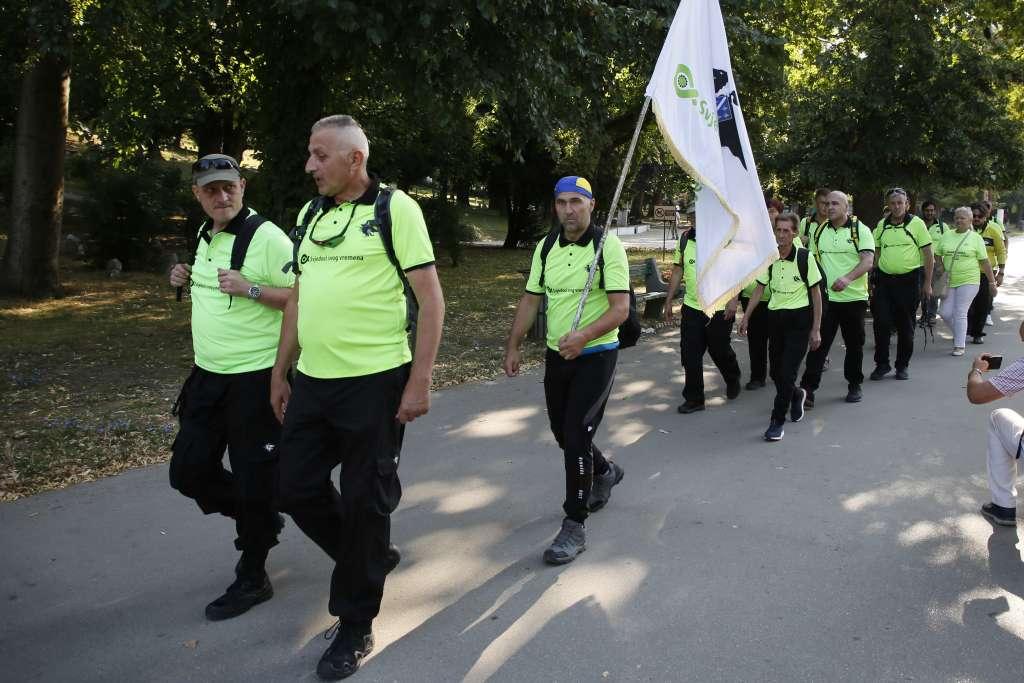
[127,207]
[444,223]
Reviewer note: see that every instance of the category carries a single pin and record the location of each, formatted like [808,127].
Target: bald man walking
[845,249]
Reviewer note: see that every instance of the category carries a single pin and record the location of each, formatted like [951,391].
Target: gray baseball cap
[213,167]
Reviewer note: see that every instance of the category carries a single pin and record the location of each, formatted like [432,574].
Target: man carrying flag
[580,363]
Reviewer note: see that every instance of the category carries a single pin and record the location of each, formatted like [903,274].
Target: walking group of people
[356,280]
[793,311]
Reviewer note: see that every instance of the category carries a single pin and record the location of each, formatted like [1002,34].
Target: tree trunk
[867,205]
[30,267]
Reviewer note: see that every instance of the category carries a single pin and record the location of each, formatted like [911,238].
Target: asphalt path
[850,551]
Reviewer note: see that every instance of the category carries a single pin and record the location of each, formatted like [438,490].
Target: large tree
[30,265]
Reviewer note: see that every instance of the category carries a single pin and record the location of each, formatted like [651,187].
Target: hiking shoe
[977,340]
[824,366]
[854,395]
[879,372]
[988,322]
[240,597]
[997,514]
[959,350]
[690,407]
[345,653]
[754,384]
[901,373]
[601,491]
[775,432]
[808,398]
[732,389]
[796,406]
[570,542]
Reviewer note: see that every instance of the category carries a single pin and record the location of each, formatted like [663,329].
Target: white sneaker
[958,351]
[988,322]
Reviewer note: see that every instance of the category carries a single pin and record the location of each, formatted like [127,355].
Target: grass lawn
[89,379]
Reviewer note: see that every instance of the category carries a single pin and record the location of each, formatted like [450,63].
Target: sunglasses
[896,190]
[214,164]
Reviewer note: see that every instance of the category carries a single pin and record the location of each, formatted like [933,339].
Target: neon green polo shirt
[237,334]
[565,276]
[995,243]
[352,309]
[969,249]
[899,244]
[689,266]
[748,291]
[783,278]
[937,230]
[838,255]
[808,224]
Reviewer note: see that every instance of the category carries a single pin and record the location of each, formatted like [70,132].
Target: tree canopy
[499,98]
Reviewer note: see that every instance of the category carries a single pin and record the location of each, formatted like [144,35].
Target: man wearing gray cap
[238,290]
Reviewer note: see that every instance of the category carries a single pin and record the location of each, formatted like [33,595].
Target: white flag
[694,96]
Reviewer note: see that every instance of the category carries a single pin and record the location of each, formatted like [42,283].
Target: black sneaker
[879,372]
[345,653]
[854,395]
[690,407]
[732,389]
[241,596]
[997,514]
[754,384]
[796,406]
[775,432]
[808,398]
[901,373]
[601,491]
[977,340]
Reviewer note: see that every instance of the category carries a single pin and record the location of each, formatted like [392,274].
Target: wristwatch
[255,292]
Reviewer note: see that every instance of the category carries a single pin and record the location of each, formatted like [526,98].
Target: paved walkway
[851,551]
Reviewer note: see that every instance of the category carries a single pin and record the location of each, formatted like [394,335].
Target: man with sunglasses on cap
[236,320]
[358,384]
[904,262]
[579,367]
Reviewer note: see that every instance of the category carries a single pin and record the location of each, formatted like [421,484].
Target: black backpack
[382,221]
[906,221]
[630,329]
[243,233]
[801,265]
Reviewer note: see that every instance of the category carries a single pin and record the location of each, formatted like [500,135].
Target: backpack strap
[801,265]
[243,237]
[314,207]
[549,244]
[906,220]
[382,217]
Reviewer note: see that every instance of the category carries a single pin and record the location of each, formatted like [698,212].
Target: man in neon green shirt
[580,364]
[794,321]
[995,245]
[357,383]
[937,228]
[818,215]
[698,333]
[236,318]
[845,249]
[904,262]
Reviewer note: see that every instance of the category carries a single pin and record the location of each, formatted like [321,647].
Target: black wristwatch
[255,292]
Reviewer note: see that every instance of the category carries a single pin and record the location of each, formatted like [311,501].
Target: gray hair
[963,209]
[351,130]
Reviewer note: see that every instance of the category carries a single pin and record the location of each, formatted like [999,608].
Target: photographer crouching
[1005,430]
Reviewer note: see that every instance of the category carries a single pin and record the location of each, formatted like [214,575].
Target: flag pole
[611,213]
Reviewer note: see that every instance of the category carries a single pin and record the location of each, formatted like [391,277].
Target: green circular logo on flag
[684,83]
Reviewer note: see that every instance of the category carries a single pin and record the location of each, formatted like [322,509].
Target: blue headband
[574,183]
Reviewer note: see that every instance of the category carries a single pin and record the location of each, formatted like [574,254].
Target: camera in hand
[994,362]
